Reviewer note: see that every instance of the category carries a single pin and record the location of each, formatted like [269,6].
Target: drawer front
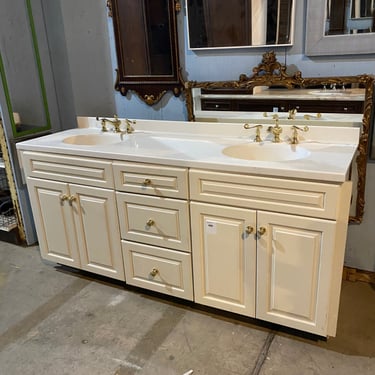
[155,221]
[76,169]
[157,269]
[273,194]
[151,179]
[216,105]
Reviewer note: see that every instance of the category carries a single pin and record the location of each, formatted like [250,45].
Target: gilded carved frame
[272,73]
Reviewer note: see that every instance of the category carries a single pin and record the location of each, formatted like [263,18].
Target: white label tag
[210,227]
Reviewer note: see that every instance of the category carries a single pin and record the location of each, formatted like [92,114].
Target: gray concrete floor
[54,320]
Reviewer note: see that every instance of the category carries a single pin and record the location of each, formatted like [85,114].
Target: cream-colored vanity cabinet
[74,207]
[269,247]
[153,209]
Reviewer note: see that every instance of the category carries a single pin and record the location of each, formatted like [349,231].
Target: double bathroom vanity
[201,211]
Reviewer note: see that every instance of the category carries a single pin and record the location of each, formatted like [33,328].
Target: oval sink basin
[266,151]
[92,139]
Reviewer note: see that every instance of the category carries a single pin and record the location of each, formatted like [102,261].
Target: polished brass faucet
[292,114]
[129,125]
[257,132]
[129,128]
[116,123]
[276,130]
[295,128]
[308,117]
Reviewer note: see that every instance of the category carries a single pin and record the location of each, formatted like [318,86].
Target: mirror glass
[150,52]
[339,27]
[21,71]
[349,17]
[333,101]
[239,23]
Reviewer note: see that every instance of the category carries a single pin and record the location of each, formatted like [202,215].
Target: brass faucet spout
[292,114]
[295,128]
[116,123]
[276,130]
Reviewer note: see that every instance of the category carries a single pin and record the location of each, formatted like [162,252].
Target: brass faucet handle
[257,133]
[295,128]
[129,125]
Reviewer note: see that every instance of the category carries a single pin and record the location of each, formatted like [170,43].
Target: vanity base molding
[263,247]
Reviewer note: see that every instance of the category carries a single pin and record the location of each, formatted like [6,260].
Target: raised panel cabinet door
[294,270]
[54,222]
[224,257]
[98,234]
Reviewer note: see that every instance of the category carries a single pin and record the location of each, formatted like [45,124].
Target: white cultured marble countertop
[200,145]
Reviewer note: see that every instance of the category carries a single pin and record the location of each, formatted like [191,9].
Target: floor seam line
[21,328]
[262,356]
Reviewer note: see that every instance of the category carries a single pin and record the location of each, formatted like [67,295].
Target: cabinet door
[224,259]
[53,221]
[98,234]
[294,263]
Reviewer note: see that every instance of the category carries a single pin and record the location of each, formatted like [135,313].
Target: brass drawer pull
[150,222]
[154,272]
[147,182]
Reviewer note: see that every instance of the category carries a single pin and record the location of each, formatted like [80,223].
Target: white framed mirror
[350,38]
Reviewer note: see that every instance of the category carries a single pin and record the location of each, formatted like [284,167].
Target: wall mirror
[339,27]
[21,71]
[349,17]
[146,47]
[270,75]
[239,23]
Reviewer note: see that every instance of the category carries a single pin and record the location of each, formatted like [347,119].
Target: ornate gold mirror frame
[272,73]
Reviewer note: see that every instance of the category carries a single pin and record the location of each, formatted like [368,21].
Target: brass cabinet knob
[63,197]
[150,222]
[261,231]
[147,182]
[249,229]
[72,198]
[154,272]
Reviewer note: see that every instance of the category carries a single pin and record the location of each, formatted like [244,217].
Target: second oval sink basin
[266,151]
[92,139]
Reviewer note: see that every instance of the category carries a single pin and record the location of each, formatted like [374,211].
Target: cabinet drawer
[81,170]
[216,105]
[155,221]
[273,194]
[157,269]
[151,179]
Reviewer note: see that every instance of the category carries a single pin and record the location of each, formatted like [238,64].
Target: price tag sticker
[210,227]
